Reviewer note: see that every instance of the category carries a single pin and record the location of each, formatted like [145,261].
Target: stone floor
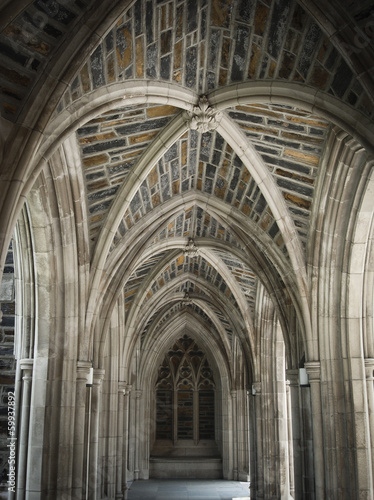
[188,489]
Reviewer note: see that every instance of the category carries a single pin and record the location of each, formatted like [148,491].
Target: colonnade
[273,429]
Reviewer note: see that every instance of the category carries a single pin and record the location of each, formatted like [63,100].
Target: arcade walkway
[188,489]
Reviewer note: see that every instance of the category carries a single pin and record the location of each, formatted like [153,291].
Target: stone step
[186,467]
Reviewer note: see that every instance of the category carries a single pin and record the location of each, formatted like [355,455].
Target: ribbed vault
[193,171]
[198,168]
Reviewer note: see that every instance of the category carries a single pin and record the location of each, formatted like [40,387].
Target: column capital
[313,369]
[121,386]
[98,376]
[27,364]
[292,377]
[256,388]
[125,388]
[83,370]
[369,368]
[138,393]
[234,393]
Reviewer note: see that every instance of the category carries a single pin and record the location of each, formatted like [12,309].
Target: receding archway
[184,406]
[219,366]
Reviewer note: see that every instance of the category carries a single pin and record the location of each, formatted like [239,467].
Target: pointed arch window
[185,399]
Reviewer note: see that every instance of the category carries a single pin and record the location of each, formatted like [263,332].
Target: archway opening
[186,439]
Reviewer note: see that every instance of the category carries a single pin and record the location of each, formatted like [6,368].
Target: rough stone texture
[243,275]
[136,279]
[110,145]
[196,265]
[291,143]
[7,361]
[258,41]
[207,164]
[28,43]
[206,225]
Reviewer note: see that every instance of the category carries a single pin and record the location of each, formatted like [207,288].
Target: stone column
[313,369]
[242,434]
[175,416]
[282,436]
[259,481]
[369,369]
[196,422]
[125,452]
[252,441]
[80,431]
[94,435]
[291,472]
[234,434]
[248,432]
[138,395]
[26,366]
[293,406]
[120,434]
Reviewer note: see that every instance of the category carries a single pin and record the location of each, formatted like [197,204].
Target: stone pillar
[291,472]
[94,469]
[234,435]
[80,431]
[196,423]
[242,435]
[259,481]
[120,433]
[294,434]
[313,369]
[138,430]
[369,369]
[26,366]
[249,434]
[252,441]
[125,452]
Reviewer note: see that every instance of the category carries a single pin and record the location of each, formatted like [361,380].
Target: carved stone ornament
[186,299]
[204,117]
[191,249]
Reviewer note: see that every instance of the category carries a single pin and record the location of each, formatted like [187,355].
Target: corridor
[188,489]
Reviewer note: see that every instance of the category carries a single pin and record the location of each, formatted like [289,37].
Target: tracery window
[185,394]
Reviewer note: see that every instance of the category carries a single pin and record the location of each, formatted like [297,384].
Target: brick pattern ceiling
[199,44]
[205,46]
[193,222]
[29,43]
[200,188]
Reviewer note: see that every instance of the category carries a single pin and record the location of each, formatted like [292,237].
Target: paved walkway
[188,489]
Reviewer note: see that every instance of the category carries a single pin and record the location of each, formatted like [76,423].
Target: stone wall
[7,360]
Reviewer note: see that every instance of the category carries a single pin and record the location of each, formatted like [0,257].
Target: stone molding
[98,376]
[256,388]
[369,368]
[83,370]
[313,369]
[292,377]
[122,387]
[26,364]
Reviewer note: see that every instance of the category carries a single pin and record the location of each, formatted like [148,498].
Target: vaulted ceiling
[198,145]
